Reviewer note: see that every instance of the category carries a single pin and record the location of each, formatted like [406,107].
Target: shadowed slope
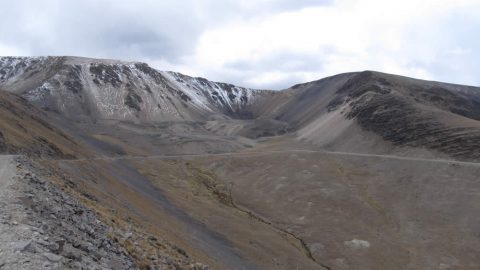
[413,113]
[27,130]
[377,112]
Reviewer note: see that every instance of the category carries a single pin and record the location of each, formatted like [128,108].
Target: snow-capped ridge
[83,88]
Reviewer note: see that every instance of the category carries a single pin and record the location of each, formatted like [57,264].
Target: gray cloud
[121,29]
[284,61]
[101,28]
[167,33]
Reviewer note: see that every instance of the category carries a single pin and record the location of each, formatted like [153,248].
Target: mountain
[107,89]
[361,170]
[382,113]
[335,113]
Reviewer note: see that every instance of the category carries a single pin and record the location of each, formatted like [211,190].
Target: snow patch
[39,93]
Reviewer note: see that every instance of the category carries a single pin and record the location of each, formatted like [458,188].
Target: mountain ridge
[361,170]
[36,78]
[334,112]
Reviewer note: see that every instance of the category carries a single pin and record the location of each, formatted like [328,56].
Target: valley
[361,170]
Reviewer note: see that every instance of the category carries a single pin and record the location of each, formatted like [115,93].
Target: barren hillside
[361,170]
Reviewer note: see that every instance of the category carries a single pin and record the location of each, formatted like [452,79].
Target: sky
[264,44]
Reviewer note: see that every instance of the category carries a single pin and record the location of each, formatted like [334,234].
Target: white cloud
[403,37]
[262,43]
[10,50]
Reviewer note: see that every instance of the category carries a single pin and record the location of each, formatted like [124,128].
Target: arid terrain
[115,165]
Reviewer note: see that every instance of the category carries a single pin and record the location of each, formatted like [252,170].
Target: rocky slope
[41,227]
[374,112]
[92,89]
[436,116]
[44,227]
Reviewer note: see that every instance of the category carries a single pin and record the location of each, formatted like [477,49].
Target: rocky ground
[41,227]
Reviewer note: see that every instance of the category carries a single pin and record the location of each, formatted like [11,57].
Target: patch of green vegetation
[208,179]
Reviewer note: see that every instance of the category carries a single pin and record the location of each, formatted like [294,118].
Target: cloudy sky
[256,43]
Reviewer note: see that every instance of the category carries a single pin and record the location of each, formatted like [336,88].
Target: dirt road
[129,157]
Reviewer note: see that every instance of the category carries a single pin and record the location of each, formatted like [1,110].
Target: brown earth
[356,171]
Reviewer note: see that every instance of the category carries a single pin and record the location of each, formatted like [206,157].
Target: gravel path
[15,236]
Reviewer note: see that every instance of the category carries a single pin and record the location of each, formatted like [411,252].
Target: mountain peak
[87,88]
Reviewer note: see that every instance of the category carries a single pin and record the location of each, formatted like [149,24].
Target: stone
[44,243]
[357,243]
[22,246]
[128,235]
[169,260]
[52,257]
[40,231]
[51,246]
[72,253]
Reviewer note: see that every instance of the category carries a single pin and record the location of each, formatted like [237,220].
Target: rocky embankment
[41,227]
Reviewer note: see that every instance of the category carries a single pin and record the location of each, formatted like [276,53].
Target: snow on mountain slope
[228,97]
[83,88]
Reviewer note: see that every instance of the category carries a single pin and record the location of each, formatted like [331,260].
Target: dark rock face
[216,96]
[203,81]
[227,87]
[183,96]
[74,86]
[106,74]
[74,80]
[155,75]
[357,86]
[458,103]
[244,99]
[148,89]
[231,96]
[160,80]
[3,144]
[133,100]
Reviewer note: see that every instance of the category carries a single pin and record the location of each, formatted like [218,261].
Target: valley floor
[259,208]
[268,208]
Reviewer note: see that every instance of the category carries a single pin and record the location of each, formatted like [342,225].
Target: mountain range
[361,170]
